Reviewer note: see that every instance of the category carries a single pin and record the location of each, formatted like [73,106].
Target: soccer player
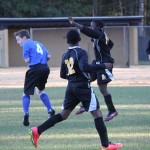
[102,46]
[75,68]
[36,56]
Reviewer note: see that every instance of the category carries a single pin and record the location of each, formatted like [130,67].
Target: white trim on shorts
[93,103]
[110,75]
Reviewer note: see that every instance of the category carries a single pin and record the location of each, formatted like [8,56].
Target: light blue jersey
[35,51]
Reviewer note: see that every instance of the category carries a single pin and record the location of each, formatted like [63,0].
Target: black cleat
[51,113]
[26,120]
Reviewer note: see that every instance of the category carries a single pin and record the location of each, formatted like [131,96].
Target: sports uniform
[102,46]
[75,68]
[39,71]
[102,53]
[36,56]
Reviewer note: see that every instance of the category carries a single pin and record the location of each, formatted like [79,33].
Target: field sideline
[133,76]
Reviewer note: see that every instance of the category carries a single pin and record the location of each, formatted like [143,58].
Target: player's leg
[37,131]
[44,72]
[25,105]
[108,100]
[91,104]
[46,101]
[68,105]
[28,90]
[54,120]
[102,131]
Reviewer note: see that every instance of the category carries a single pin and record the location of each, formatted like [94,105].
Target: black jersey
[101,44]
[75,67]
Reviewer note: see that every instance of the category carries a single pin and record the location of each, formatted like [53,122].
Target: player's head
[21,36]
[95,24]
[73,37]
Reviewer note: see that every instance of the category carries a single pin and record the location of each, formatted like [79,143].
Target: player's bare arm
[71,20]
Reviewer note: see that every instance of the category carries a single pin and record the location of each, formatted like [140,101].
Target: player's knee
[38,92]
[65,114]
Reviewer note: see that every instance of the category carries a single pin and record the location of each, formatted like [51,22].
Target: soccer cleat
[80,111]
[26,120]
[34,136]
[51,113]
[110,116]
[112,146]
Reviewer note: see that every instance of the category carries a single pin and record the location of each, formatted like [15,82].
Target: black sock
[102,131]
[50,123]
[109,103]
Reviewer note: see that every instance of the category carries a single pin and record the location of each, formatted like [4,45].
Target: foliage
[60,8]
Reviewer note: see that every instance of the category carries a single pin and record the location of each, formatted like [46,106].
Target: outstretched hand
[70,20]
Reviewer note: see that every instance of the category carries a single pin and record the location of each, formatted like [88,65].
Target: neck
[73,45]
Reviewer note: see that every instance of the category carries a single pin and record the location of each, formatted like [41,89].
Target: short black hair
[99,23]
[73,37]
[22,33]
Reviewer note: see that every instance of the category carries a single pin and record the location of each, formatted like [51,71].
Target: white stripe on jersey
[93,103]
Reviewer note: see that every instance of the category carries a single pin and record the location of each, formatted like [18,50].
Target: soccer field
[131,127]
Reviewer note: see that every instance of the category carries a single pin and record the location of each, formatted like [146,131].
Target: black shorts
[103,76]
[77,92]
[36,76]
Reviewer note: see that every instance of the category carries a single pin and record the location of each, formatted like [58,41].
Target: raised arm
[71,20]
[85,30]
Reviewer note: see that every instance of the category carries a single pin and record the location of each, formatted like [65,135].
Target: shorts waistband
[37,65]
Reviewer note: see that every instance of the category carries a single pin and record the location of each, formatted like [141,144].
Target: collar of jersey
[74,47]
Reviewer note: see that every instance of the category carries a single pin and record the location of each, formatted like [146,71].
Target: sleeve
[63,69]
[91,33]
[84,66]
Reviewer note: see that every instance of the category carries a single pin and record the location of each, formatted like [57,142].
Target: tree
[63,8]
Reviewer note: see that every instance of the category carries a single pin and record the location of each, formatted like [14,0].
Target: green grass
[131,127]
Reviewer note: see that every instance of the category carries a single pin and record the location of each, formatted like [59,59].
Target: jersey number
[39,49]
[70,64]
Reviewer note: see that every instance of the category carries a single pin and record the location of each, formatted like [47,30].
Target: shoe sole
[31,138]
[110,118]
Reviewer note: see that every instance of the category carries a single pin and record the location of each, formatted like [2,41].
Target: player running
[102,45]
[36,56]
[75,68]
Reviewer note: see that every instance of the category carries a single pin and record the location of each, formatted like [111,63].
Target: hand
[71,20]
[108,65]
